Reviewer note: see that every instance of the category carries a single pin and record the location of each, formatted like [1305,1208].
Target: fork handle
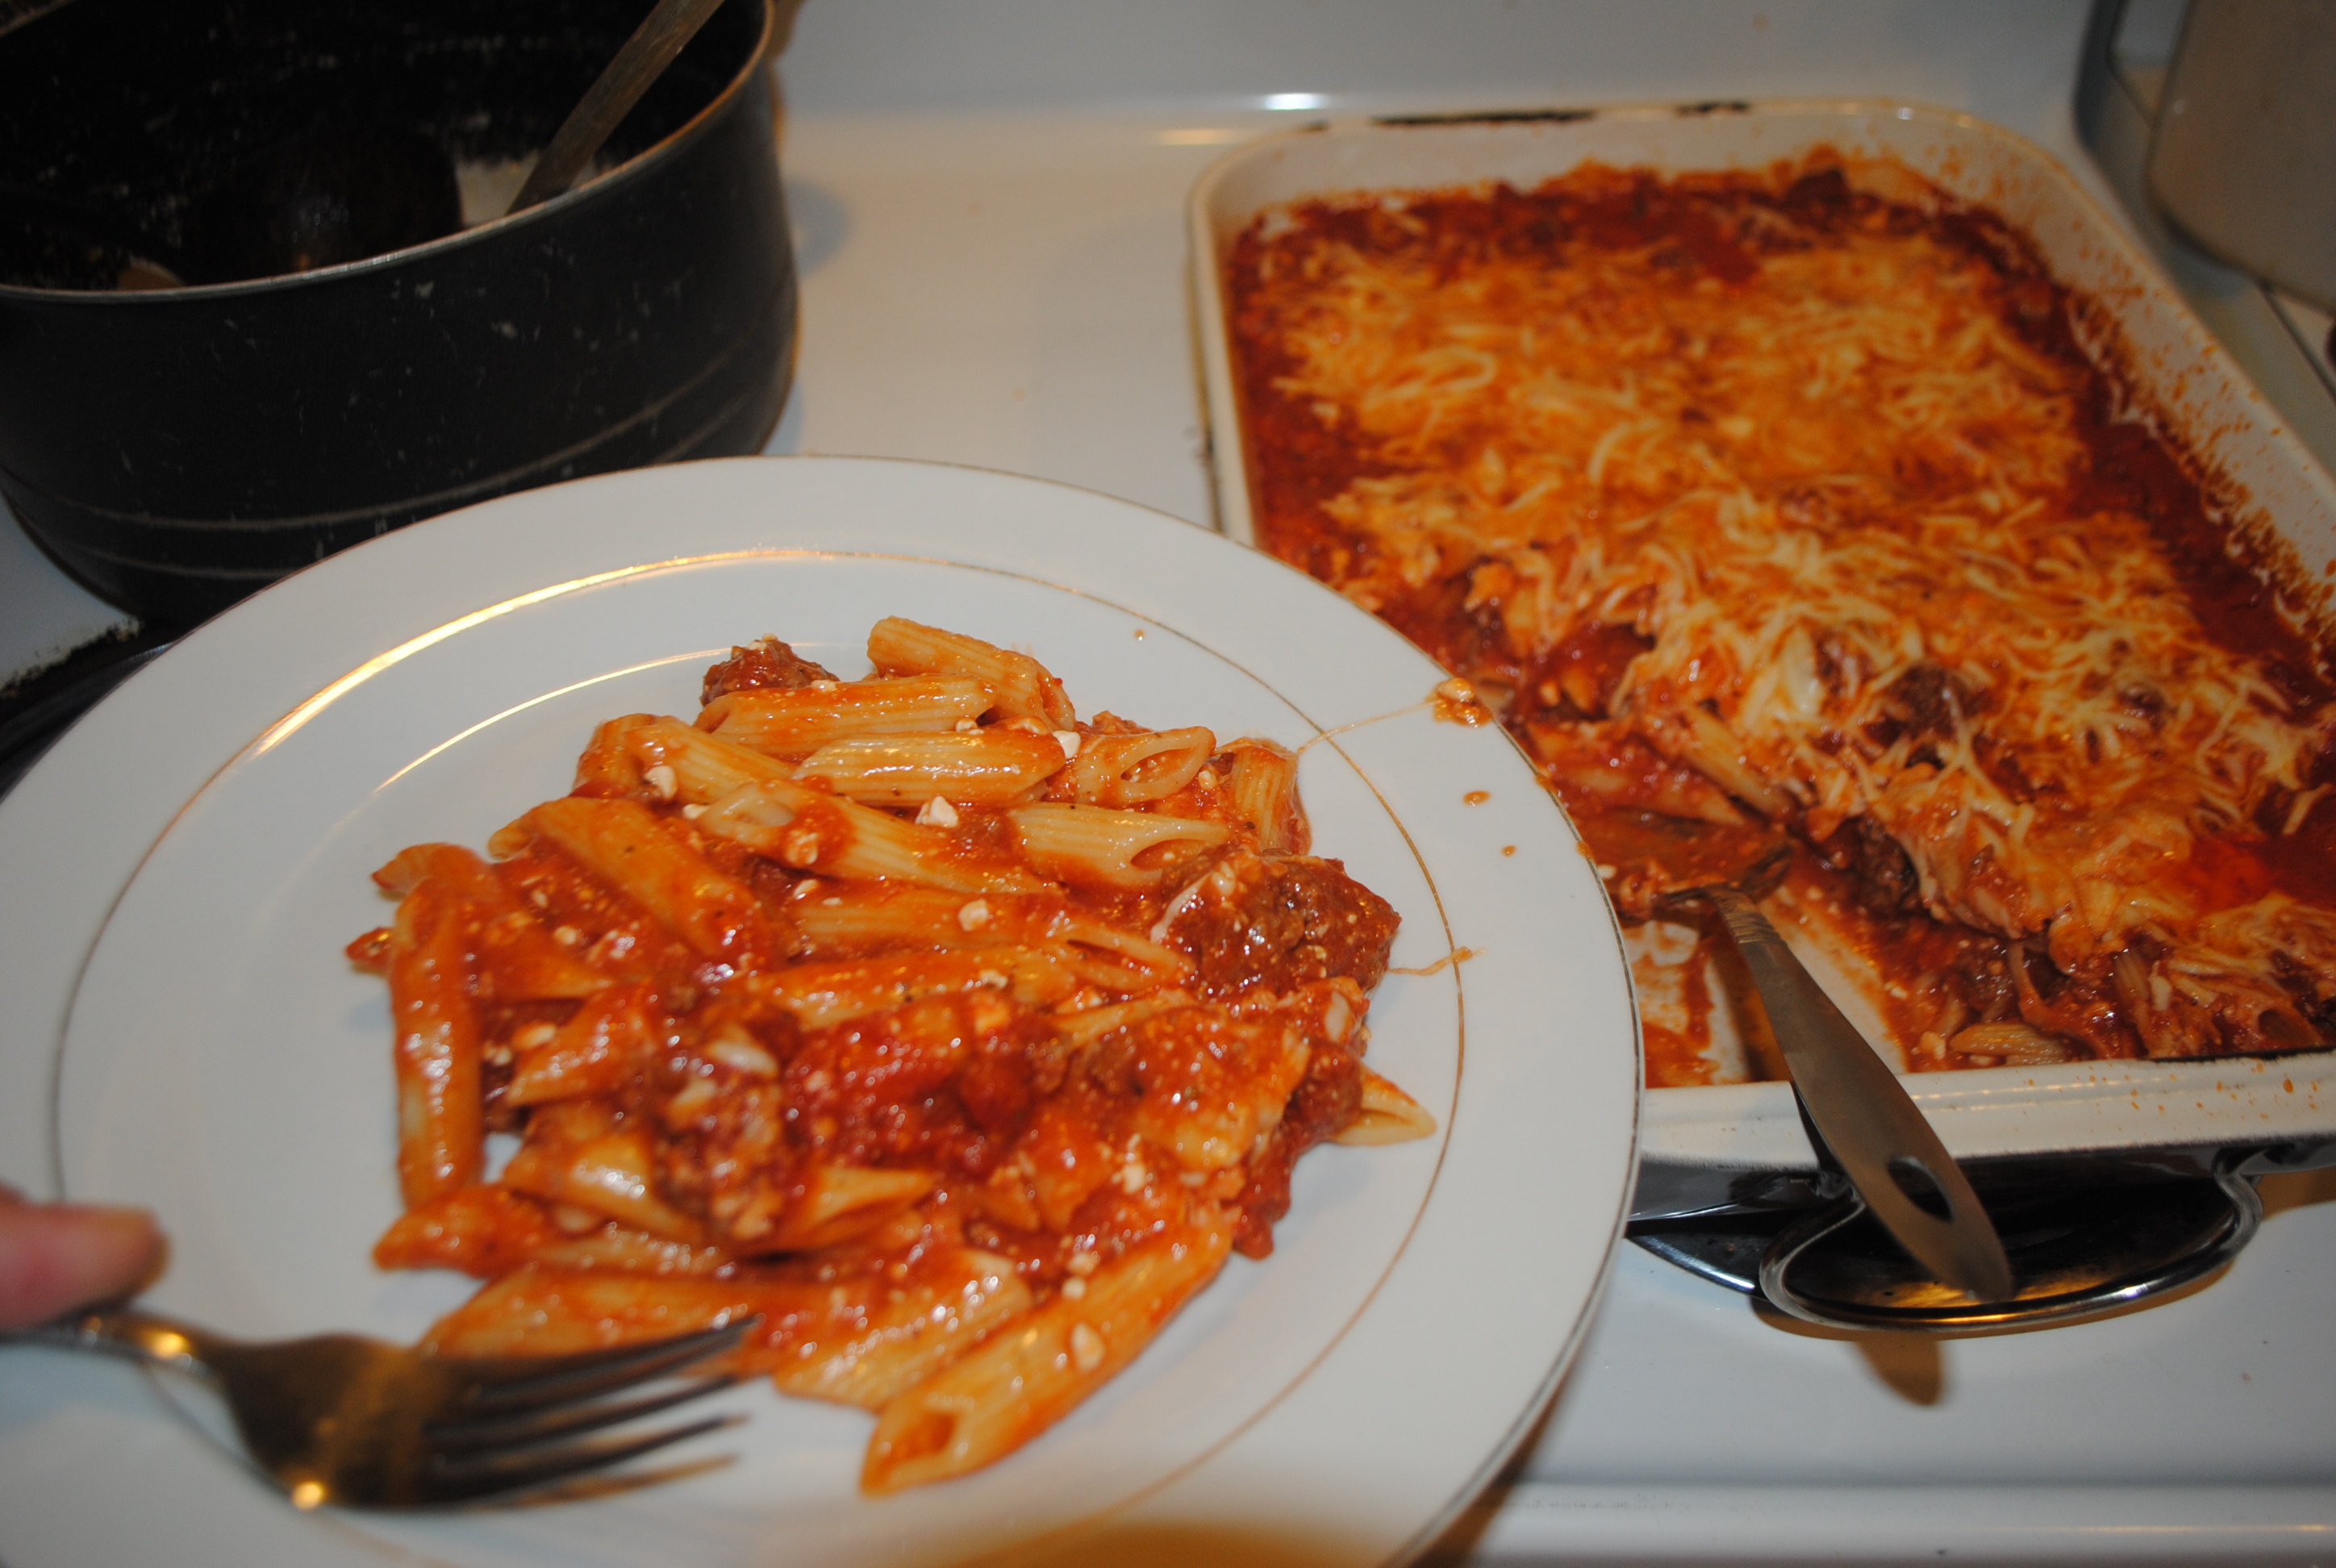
[129,1333]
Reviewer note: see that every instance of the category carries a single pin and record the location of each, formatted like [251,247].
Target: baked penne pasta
[543,1311]
[652,861]
[698,768]
[807,830]
[607,1040]
[1265,796]
[1023,687]
[953,1302]
[837,1204]
[614,1249]
[855,918]
[516,957]
[963,1051]
[979,767]
[1111,848]
[1127,770]
[614,1175]
[441,1117]
[819,995]
[607,764]
[993,1400]
[797,722]
[1385,1115]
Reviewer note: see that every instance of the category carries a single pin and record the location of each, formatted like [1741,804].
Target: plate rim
[336,577]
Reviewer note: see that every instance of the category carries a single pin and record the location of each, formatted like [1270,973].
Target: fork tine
[511,1386]
[559,1421]
[485,1475]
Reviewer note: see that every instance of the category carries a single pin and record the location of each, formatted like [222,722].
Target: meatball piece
[766,663]
[1278,922]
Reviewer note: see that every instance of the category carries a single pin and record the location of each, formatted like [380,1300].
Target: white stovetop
[987,200]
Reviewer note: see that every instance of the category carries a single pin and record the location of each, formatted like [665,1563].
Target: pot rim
[637,167]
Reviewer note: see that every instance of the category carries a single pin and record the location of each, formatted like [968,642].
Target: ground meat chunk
[1928,698]
[1877,865]
[1278,922]
[1324,1102]
[2299,981]
[766,663]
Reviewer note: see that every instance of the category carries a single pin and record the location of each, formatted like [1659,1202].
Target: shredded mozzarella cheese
[1834,499]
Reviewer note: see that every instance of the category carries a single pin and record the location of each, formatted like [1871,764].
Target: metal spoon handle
[1863,1114]
[605,104]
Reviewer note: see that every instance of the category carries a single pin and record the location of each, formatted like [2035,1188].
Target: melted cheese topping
[1823,481]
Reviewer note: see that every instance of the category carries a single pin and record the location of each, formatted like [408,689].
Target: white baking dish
[2269,484]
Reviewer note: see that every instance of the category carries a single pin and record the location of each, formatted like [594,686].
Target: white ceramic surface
[222,1064]
[2274,489]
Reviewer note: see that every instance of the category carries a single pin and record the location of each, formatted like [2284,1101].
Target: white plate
[221,1063]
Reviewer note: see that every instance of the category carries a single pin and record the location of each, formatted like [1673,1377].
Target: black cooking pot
[177,446]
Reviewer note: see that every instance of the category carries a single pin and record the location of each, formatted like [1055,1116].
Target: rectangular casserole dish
[1707,1148]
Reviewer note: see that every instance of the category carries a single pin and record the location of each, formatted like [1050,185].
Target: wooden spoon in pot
[605,104]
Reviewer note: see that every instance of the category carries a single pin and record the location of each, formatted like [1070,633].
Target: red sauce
[900,1103]
[2222,874]
[1297,463]
[2303,865]
[1674,1060]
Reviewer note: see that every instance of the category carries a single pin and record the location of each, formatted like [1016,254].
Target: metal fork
[362,1423]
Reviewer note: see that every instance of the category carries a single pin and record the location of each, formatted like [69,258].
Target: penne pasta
[700,768]
[976,768]
[1265,796]
[1111,848]
[1091,1023]
[1126,770]
[613,1174]
[646,859]
[857,1340]
[543,1311]
[1138,951]
[811,1009]
[840,1202]
[484,1231]
[609,1039]
[1210,1087]
[808,831]
[619,1251]
[819,996]
[517,957]
[951,1299]
[849,918]
[989,1403]
[839,918]
[793,724]
[608,764]
[1387,1116]
[1023,687]
[1691,736]
[440,1114]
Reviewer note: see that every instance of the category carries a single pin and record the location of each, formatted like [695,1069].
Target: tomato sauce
[1300,462]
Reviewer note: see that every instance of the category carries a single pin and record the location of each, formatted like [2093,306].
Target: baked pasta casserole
[1803,504]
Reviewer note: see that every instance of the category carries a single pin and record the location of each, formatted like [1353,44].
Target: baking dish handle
[2096,1254]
